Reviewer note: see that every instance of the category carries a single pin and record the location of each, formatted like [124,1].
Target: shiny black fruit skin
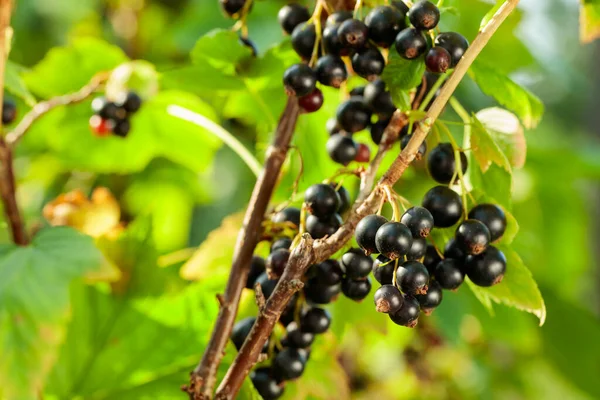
[320,227]
[297,337]
[449,274]
[322,200]
[486,269]
[455,43]
[472,236]
[368,63]
[431,260]
[417,250]
[131,102]
[353,34]
[493,217]
[315,320]
[356,264]
[332,43]
[411,43]
[291,15]
[303,39]
[424,15]
[453,250]
[413,278]
[121,127]
[331,70]
[431,299]
[338,17]
[9,111]
[441,163]
[378,129]
[299,80]
[257,267]
[341,148]
[353,115]
[288,214]
[288,364]
[379,98]
[422,148]
[265,384]
[312,102]
[366,230]
[319,293]
[445,205]
[241,330]
[345,200]
[419,220]
[232,7]
[388,299]
[438,60]
[276,263]
[383,270]
[408,315]
[267,285]
[328,272]
[384,23]
[401,6]
[283,243]
[393,240]
[356,289]
[358,91]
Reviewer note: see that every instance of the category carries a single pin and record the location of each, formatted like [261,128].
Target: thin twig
[304,255]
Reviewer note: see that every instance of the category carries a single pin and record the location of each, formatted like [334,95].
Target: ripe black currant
[413,278]
[366,230]
[322,199]
[408,315]
[356,289]
[276,263]
[299,80]
[338,17]
[345,200]
[368,63]
[331,70]
[383,270]
[445,205]
[291,15]
[328,272]
[232,7]
[388,299]
[288,364]
[418,249]
[303,39]
[107,109]
[422,148]
[9,111]
[441,163]
[455,43]
[265,384]
[492,216]
[356,264]
[411,43]
[453,250]
[353,34]
[320,227]
[312,102]
[401,6]
[378,129]
[289,214]
[297,337]
[241,330]
[384,23]
[472,236]
[342,148]
[393,240]
[315,320]
[121,127]
[332,43]
[358,91]
[257,267]
[424,15]
[378,98]
[130,101]
[353,115]
[431,260]
[419,220]
[487,268]
[449,274]
[438,60]
[332,126]
[431,299]
[289,313]
[283,243]
[319,293]
[266,285]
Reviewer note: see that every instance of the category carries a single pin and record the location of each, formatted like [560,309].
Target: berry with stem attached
[492,216]
[419,220]
[455,43]
[312,102]
[424,15]
[441,163]
[353,34]
[303,39]
[291,15]
[384,23]
[331,70]
[445,206]
[393,240]
[299,80]
[383,270]
[449,274]
[430,300]
[342,148]
[322,200]
[366,230]
[315,320]
[412,278]
[356,289]
[408,315]
[411,43]
[438,60]
[320,227]
[486,269]
[472,236]
[368,63]
[388,299]
[356,264]
[353,115]
[288,364]
[297,337]
[232,7]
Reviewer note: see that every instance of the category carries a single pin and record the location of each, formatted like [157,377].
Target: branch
[303,255]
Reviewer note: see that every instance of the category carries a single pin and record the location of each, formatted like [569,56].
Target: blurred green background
[461,352]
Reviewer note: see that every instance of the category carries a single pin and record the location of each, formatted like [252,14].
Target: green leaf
[221,48]
[67,69]
[589,20]
[34,304]
[13,82]
[495,183]
[485,150]
[402,75]
[200,78]
[494,83]
[518,288]
[507,133]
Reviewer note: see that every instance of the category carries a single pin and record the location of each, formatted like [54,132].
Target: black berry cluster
[9,111]
[113,116]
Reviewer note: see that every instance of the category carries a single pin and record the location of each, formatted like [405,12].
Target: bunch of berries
[113,117]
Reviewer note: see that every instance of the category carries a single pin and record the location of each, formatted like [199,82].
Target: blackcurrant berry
[315,320]
[431,299]
[107,109]
[431,260]
[363,153]
[408,315]
[486,269]
[322,200]
[249,44]
[422,148]
[455,43]
[299,80]
[453,250]
[338,17]
[257,267]
[297,337]
[393,240]
[331,70]
[9,111]
[130,101]
[283,243]
[332,126]
[312,102]
[449,274]
[378,98]
[445,205]
[356,264]
[289,214]
[356,289]
[120,127]
[276,263]
[419,220]
[472,236]
[341,148]
[345,200]
[303,39]
[388,299]
[267,285]
[438,60]
[411,43]
[413,278]
[319,293]
[288,364]
[289,313]
[378,129]
[493,217]
[401,6]
[353,115]
[291,15]
[383,270]
[366,230]
[441,163]
[424,15]
[232,7]
[332,43]
[328,272]
[265,384]
[418,249]
[320,227]
[368,63]
[241,330]
[384,23]
[358,91]
[353,33]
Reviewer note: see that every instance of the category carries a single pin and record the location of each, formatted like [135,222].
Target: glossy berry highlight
[299,80]
[424,15]
[491,216]
[366,230]
[445,206]
[388,299]
[413,278]
[472,236]
[393,240]
[419,220]
[291,15]
[408,315]
[486,269]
